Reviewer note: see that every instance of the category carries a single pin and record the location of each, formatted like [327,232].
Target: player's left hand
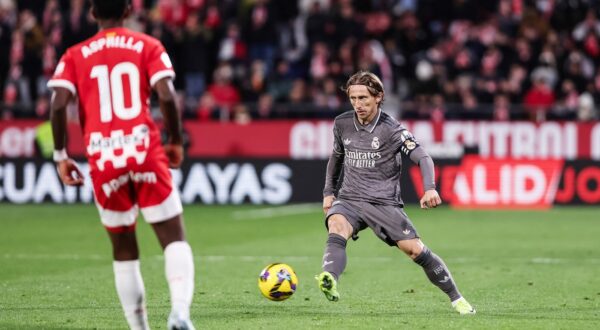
[174,154]
[430,199]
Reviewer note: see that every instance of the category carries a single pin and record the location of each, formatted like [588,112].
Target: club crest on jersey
[375,143]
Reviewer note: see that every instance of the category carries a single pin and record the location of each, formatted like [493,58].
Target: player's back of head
[109,9]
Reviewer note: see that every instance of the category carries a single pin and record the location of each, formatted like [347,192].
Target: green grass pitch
[520,269]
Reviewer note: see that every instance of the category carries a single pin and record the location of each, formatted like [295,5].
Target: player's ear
[128,10]
[93,12]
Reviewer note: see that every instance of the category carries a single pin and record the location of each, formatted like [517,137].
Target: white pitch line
[273,212]
[54,256]
[247,258]
[547,261]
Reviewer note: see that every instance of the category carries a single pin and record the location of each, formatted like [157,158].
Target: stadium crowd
[255,59]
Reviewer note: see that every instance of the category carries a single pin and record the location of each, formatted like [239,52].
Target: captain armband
[408,142]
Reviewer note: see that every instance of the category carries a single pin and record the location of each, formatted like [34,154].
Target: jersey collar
[371,126]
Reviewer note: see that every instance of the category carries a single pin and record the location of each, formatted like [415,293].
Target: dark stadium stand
[260,59]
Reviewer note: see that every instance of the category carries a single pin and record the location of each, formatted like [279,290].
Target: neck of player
[369,119]
[109,24]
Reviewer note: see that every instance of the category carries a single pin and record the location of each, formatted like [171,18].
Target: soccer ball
[277,282]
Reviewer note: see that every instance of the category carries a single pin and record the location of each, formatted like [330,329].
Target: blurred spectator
[6,11]
[328,97]
[501,110]
[280,82]
[33,43]
[319,61]
[194,61]
[264,107]
[241,115]
[232,48]
[78,23]
[539,99]
[567,103]
[261,33]
[207,109]
[316,23]
[223,92]
[256,84]
[586,110]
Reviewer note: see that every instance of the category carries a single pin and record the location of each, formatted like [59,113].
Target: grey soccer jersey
[371,159]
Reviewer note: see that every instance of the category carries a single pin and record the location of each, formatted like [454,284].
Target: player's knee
[414,253]
[125,255]
[412,248]
[337,224]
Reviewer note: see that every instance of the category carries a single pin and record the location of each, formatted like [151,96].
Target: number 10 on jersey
[111,91]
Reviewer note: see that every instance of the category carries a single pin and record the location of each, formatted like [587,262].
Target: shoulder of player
[390,122]
[348,115]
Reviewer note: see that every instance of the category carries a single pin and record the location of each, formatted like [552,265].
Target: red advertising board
[506,183]
[476,182]
[313,139]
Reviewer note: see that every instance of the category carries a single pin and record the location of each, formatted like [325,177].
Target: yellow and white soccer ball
[277,281]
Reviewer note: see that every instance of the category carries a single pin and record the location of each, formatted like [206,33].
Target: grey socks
[438,273]
[334,258]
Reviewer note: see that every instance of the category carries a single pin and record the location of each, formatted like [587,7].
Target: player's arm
[334,170]
[168,106]
[67,169]
[411,148]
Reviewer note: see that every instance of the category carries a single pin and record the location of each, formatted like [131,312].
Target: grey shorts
[390,223]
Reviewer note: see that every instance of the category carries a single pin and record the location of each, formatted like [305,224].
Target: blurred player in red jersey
[112,74]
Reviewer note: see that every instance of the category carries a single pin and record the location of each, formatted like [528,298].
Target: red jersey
[112,74]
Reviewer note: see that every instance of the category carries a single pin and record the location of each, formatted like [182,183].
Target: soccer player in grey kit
[368,147]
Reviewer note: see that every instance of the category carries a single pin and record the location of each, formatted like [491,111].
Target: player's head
[368,79]
[110,9]
[366,93]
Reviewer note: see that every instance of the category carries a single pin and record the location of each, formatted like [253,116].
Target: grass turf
[520,269]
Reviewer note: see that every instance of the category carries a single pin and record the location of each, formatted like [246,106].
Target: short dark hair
[109,9]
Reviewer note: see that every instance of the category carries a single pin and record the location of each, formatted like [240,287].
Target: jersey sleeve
[159,64]
[64,74]
[335,163]
[405,140]
[338,146]
[411,148]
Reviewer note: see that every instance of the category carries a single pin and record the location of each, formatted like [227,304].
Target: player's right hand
[430,199]
[174,154]
[69,173]
[327,202]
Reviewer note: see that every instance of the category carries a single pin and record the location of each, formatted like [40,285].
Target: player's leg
[342,222]
[118,215]
[334,257]
[392,225]
[179,270]
[161,206]
[437,272]
[128,277]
